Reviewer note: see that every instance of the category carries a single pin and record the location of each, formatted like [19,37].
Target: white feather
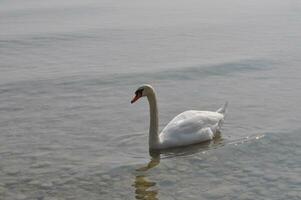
[191,127]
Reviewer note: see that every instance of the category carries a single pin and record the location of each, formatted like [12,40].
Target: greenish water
[69,70]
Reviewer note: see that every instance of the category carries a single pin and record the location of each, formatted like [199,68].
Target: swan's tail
[223,109]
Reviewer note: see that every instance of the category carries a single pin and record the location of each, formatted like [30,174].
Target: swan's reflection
[145,189]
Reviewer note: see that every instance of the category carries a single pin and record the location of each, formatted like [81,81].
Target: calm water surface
[70,68]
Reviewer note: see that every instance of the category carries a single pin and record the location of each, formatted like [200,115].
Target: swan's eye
[139,92]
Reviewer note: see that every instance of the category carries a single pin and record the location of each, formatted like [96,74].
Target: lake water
[70,68]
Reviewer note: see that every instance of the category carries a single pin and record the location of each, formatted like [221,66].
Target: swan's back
[190,127]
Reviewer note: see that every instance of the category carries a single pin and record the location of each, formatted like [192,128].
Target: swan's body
[189,127]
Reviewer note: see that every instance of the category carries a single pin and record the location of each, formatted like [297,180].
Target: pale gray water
[70,68]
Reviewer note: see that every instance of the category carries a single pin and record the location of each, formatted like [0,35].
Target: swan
[189,127]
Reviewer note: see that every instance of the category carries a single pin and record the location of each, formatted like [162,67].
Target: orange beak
[135,98]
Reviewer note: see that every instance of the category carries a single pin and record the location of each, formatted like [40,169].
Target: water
[69,70]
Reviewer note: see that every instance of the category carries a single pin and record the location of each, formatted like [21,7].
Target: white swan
[189,127]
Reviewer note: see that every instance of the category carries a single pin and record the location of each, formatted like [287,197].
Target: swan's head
[142,91]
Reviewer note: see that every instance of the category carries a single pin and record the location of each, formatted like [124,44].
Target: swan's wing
[190,125]
[193,119]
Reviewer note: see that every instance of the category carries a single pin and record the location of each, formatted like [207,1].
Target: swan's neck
[153,129]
